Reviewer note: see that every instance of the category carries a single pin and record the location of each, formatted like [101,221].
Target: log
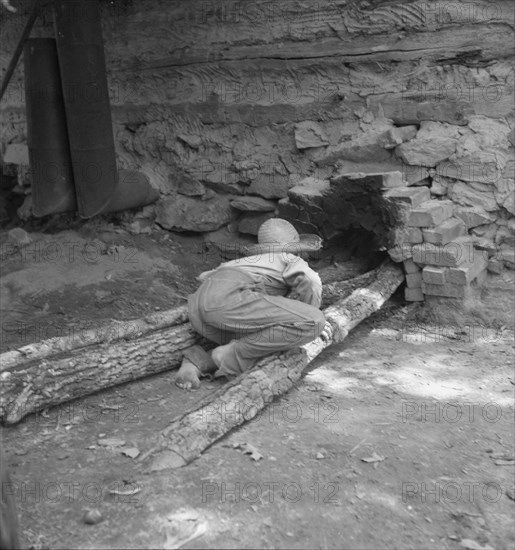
[341,289]
[343,272]
[242,399]
[107,333]
[33,386]
[58,370]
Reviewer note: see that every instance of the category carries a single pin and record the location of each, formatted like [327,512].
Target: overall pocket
[218,294]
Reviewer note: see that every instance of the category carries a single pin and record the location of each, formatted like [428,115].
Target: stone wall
[216,101]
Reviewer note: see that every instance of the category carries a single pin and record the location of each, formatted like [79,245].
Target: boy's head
[277,231]
[280,235]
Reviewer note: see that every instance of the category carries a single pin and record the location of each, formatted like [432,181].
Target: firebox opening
[354,245]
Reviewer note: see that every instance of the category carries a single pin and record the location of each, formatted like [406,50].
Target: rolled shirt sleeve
[303,281]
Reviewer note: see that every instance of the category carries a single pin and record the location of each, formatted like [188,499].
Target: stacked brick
[439,256]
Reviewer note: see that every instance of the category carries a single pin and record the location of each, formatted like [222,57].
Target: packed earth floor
[400,437]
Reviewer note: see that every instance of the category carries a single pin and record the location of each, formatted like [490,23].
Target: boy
[254,306]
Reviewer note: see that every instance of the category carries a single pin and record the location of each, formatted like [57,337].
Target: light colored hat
[278,235]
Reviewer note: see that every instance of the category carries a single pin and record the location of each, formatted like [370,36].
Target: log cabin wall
[212,99]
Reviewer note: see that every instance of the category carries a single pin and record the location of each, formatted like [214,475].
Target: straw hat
[278,235]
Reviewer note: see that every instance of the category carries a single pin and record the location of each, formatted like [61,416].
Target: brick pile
[439,256]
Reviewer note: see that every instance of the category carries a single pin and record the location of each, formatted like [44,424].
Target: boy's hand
[327,333]
[333,333]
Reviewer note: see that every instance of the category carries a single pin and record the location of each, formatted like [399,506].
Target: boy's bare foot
[219,356]
[218,353]
[188,376]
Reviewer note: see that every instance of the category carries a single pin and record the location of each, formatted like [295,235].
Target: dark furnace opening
[354,214]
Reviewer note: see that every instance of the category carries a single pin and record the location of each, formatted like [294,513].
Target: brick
[465,193]
[414,196]
[466,273]
[473,216]
[426,152]
[452,254]
[487,247]
[415,235]
[360,182]
[434,275]
[449,290]
[309,192]
[446,232]
[413,295]
[393,179]
[414,280]
[253,204]
[400,253]
[410,266]
[439,186]
[430,213]
[415,174]
[395,136]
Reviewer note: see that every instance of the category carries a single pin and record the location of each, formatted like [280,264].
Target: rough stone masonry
[229,108]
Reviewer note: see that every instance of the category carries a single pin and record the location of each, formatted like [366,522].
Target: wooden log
[190,434]
[58,370]
[31,386]
[114,330]
[343,271]
[341,289]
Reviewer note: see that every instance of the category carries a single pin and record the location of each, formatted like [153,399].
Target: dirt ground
[400,437]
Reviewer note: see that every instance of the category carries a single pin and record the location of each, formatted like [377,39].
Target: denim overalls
[235,305]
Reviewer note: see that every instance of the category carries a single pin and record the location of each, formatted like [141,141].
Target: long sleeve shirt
[282,275]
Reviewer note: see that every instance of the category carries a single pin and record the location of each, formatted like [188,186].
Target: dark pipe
[133,190]
[86,99]
[52,177]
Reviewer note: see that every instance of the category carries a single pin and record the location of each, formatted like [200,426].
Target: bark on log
[34,385]
[114,330]
[58,370]
[341,289]
[242,399]
[343,272]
